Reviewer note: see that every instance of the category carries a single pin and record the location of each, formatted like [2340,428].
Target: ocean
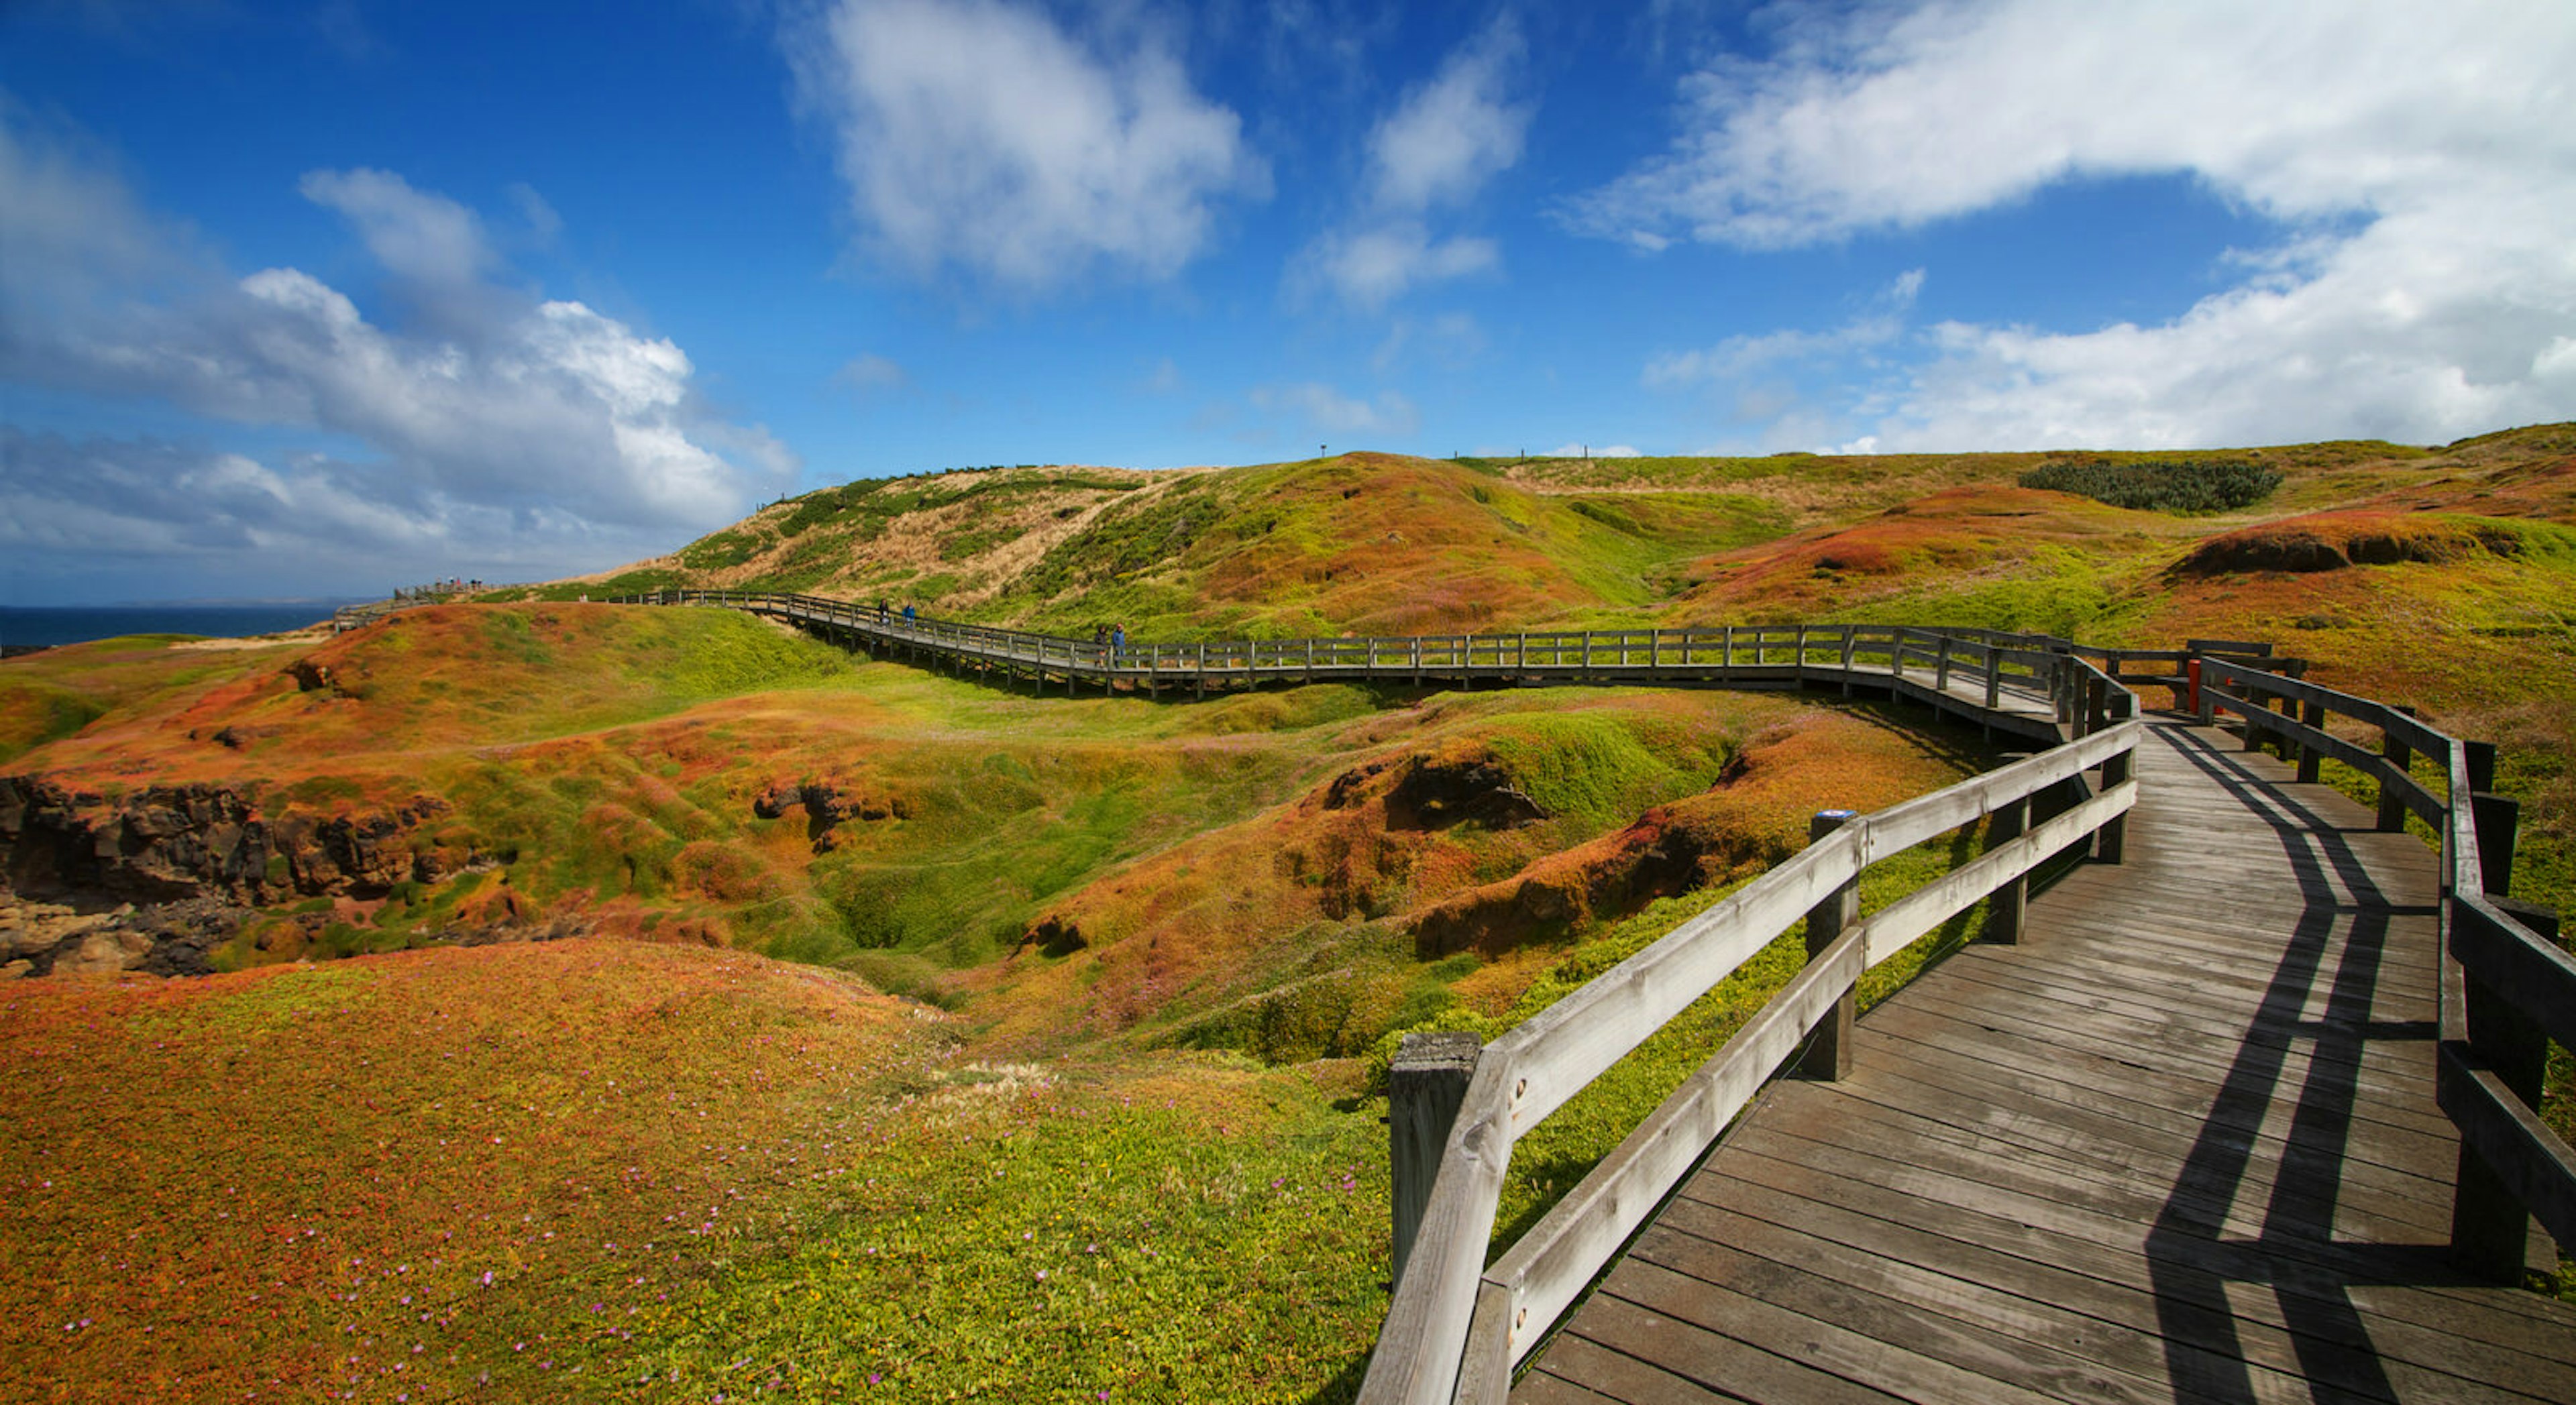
[72,625]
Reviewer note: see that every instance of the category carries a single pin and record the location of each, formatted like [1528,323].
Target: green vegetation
[2160,485]
[1129,963]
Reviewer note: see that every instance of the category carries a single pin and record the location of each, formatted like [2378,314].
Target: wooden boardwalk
[2180,1145]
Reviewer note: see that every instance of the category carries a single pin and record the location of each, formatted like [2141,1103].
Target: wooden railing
[2027,667]
[2507,986]
[1456,1328]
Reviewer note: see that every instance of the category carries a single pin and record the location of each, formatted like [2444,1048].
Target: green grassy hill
[904,1013]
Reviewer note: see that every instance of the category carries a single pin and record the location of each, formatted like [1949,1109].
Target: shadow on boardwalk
[2181,1145]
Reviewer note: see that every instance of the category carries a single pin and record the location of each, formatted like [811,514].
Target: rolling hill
[902,1012]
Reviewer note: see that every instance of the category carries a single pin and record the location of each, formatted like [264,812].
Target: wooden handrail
[1455,1328]
[2506,988]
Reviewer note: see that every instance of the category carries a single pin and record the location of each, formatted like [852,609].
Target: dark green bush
[2156,485]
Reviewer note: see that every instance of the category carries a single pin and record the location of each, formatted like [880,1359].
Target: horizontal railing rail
[2507,986]
[2022,667]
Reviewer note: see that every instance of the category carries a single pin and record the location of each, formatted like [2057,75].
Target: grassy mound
[2329,541]
[1125,1145]
[603,1171]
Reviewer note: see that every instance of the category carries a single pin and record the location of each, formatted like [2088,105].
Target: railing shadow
[2191,1259]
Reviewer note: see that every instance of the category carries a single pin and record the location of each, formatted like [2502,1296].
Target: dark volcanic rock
[168,844]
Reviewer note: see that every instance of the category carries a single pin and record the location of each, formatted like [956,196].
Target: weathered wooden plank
[1622,1337]
[2052,1263]
[1856,1356]
[2397,1054]
[2129,1323]
[2146,1197]
[2003,1068]
[2015,1344]
[1965,1127]
[2032,1343]
[2390,1099]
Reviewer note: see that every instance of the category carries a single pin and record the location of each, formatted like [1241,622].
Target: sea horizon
[50,625]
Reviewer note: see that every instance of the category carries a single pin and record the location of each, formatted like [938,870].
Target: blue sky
[325,298]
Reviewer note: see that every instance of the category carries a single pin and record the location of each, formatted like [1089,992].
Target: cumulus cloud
[543,421]
[2417,156]
[1454,133]
[983,135]
[1436,150]
[1322,409]
[1740,356]
[1371,265]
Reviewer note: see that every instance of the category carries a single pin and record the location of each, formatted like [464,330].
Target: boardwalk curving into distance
[2240,1111]
[2179,1144]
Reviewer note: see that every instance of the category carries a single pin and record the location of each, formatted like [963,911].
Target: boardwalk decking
[2181,1144]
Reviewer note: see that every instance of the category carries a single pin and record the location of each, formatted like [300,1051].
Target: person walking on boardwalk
[908,615]
[1117,641]
[881,609]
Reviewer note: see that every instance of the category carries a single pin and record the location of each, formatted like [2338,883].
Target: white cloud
[1454,133]
[1372,265]
[870,374]
[415,235]
[2418,154]
[1740,356]
[1451,340]
[542,221]
[1437,149]
[1320,408]
[981,134]
[541,422]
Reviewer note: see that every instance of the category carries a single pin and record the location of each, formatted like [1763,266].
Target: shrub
[2151,485]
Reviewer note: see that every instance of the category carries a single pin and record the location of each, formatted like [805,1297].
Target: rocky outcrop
[826,807]
[170,843]
[1664,853]
[155,881]
[165,939]
[1432,793]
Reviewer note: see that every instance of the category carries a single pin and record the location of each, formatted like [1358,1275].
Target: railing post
[2490,1226]
[2006,906]
[2481,759]
[2392,802]
[2313,714]
[2111,841]
[1423,1089]
[1829,1046]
